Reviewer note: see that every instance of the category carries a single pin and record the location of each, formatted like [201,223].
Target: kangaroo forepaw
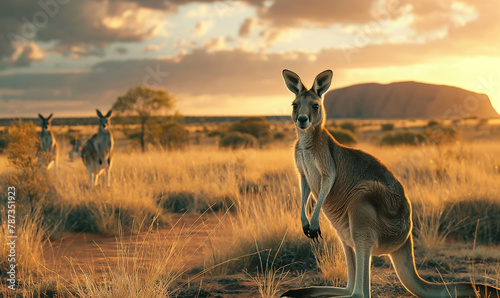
[100,161]
[306,230]
[313,234]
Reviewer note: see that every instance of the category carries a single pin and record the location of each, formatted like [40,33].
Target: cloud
[292,13]
[221,75]
[183,44]
[154,47]
[202,28]
[247,27]
[88,24]
[121,50]
[215,44]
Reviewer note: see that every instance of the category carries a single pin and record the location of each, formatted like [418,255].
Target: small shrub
[236,140]
[4,140]
[349,125]
[344,137]
[387,126]
[439,134]
[174,135]
[481,123]
[258,127]
[170,135]
[479,221]
[214,133]
[185,201]
[432,123]
[406,137]
[31,179]
[279,136]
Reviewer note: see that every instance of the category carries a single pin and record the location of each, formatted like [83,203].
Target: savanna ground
[205,221]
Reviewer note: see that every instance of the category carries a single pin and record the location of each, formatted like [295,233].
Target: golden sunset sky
[69,57]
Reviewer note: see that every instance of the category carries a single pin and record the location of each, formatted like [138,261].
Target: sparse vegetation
[439,134]
[141,103]
[349,125]
[452,187]
[258,127]
[406,137]
[170,135]
[237,140]
[343,136]
[4,140]
[31,178]
[387,126]
[432,123]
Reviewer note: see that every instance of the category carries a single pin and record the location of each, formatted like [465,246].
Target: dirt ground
[65,256]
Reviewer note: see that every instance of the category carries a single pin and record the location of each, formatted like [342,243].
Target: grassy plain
[212,222]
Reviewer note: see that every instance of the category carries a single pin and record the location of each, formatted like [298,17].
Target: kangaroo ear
[99,113]
[322,82]
[108,114]
[50,116]
[41,117]
[292,81]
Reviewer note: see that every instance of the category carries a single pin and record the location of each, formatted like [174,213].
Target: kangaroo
[97,153]
[48,144]
[364,201]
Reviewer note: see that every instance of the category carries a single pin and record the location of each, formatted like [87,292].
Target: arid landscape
[147,148]
[208,221]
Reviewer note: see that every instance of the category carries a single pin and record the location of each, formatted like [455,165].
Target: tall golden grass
[260,189]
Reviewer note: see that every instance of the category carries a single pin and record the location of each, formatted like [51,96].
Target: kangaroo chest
[104,142]
[46,141]
[307,163]
[310,165]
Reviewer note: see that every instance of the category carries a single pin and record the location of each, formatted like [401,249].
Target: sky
[70,57]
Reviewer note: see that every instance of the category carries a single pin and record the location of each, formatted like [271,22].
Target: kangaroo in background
[48,144]
[364,201]
[97,152]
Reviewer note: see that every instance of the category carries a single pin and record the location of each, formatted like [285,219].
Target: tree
[142,103]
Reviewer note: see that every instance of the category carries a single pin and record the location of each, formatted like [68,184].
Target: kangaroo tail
[316,292]
[403,261]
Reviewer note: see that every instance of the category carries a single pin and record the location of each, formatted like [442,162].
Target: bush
[387,126]
[344,137]
[185,201]
[403,138]
[4,141]
[174,135]
[237,140]
[258,127]
[214,133]
[439,134]
[482,123]
[31,179]
[171,135]
[349,125]
[279,136]
[432,123]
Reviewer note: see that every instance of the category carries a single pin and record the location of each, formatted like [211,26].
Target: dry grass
[449,185]
[148,264]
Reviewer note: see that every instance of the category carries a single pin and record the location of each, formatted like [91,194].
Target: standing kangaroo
[97,153]
[48,144]
[364,201]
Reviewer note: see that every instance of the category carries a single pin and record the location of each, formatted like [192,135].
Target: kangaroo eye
[315,106]
[294,105]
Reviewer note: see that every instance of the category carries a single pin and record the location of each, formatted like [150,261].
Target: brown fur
[363,200]
[97,153]
[49,149]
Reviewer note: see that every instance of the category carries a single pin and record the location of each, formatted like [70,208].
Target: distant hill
[406,100]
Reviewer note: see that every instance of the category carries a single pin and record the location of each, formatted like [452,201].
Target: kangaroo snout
[303,121]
